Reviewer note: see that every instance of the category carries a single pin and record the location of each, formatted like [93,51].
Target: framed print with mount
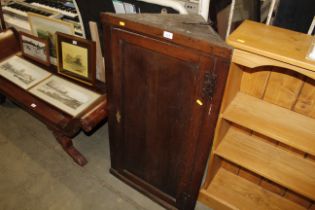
[44,27]
[65,95]
[22,73]
[76,58]
[35,48]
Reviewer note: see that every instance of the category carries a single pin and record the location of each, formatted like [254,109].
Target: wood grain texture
[272,187]
[95,115]
[282,44]
[306,101]
[238,193]
[233,85]
[294,129]
[230,167]
[252,60]
[291,149]
[284,168]
[301,200]
[254,81]
[265,139]
[250,176]
[283,88]
[160,88]
[311,157]
[215,202]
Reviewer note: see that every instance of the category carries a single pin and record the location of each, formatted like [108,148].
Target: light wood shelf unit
[263,154]
[280,166]
[237,193]
[295,130]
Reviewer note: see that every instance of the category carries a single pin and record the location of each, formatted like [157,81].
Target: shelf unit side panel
[233,85]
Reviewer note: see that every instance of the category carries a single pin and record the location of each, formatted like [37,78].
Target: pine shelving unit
[263,155]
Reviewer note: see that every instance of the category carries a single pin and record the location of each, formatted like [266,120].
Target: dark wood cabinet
[165,76]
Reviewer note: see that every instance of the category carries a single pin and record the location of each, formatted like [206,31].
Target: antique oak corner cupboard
[165,77]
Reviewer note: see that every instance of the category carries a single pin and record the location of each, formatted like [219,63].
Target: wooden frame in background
[35,48]
[46,27]
[76,58]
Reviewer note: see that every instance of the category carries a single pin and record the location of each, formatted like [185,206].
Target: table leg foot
[67,145]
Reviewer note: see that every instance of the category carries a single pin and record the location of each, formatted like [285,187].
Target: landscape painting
[67,96]
[75,59]
[22,73]
[46,28]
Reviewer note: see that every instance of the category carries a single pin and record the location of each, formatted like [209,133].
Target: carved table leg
[67,145]
[2,99]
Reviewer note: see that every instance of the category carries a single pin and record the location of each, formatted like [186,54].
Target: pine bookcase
[263,155]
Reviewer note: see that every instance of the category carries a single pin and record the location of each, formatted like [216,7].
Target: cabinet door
[157,103]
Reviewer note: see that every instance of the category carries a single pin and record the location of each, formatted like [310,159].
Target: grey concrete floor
[36,174]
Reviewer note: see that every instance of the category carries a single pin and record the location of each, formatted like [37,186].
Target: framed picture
[22,73]
[35,48]
[76,58]
[45,27]
[69,97]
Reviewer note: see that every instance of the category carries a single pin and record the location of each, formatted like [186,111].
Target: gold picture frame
[76,58]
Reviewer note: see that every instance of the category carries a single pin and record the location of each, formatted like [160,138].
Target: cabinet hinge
[209,84]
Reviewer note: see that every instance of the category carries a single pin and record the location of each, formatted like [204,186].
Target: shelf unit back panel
[281,87]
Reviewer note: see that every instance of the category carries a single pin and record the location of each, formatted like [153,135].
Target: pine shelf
[278,123]
[280,166]
[238,193]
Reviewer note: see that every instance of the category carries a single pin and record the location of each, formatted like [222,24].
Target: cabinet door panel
[155,96]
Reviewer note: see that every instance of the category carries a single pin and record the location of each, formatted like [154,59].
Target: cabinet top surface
[190,30]
[273,42]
